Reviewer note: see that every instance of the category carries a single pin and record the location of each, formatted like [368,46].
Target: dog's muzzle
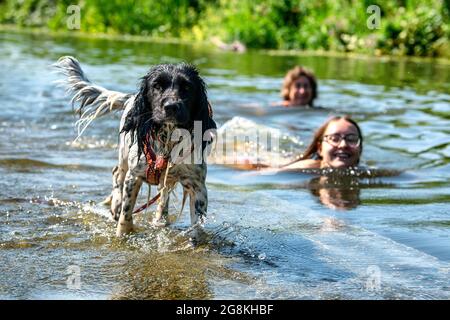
[175,110]
[172,108]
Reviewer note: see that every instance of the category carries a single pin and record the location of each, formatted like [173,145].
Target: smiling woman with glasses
[338,143]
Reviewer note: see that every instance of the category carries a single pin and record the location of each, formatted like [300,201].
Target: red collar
[156,164]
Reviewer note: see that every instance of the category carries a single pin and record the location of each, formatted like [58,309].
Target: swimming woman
[338,143]
[299,88]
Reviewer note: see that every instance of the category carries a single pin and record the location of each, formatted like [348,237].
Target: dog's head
[169,94]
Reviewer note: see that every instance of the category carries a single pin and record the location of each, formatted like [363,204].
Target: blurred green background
[407,27]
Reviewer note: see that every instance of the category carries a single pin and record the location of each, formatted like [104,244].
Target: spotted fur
[170,96]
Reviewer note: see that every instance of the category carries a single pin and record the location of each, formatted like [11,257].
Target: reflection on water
[180,275]
[341,189]
[336,193]
[292,235]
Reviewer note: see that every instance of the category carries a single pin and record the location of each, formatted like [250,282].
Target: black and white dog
[171,99]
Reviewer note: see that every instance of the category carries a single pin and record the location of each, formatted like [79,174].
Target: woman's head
[299,87]
[338,143]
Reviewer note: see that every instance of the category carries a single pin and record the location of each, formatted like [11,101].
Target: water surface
[289,236]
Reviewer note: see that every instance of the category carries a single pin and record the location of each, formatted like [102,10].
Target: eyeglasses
[352,140]
[305,85]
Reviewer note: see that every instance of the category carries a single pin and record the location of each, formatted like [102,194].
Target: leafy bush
[408,27]
[420,32]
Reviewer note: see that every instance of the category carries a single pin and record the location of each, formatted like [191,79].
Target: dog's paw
[115,209]
[114,215]
[161,222]
[197,237]
[124,228]
[107,201]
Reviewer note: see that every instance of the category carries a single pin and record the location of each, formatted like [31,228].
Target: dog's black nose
[171,108]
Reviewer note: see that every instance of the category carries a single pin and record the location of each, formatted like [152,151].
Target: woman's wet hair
[292,75]
[312,151]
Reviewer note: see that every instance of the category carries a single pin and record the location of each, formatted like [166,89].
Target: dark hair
[292,75]
[313,149]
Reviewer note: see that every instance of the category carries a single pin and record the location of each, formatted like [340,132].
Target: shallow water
[285,236]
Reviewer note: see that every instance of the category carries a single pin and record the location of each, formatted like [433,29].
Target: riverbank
[209,45]
[400,28]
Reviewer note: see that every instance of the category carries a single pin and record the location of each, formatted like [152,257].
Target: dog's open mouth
[178,119]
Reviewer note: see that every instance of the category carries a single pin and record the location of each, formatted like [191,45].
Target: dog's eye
[157,86]
[185,87]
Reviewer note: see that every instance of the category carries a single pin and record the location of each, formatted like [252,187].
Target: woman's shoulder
[287,104]
[283,103]
[303,164]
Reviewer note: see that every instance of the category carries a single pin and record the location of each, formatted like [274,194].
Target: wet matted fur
[170,97]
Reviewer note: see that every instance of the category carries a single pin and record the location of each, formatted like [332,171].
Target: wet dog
[170,105]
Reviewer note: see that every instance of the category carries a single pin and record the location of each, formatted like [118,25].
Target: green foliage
[29,13]
[408,27]
[420,32]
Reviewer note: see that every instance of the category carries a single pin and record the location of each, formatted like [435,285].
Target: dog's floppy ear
[205,114]
[204,111]
[138,121]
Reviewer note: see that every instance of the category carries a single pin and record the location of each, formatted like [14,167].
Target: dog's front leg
[116,195]
[198,208]
[130,191]
[162,210]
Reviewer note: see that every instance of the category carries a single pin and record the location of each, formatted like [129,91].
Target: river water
[285,236]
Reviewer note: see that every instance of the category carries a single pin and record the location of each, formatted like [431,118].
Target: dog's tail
[93,101]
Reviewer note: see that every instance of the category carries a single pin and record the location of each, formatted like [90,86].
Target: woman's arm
[302,164]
